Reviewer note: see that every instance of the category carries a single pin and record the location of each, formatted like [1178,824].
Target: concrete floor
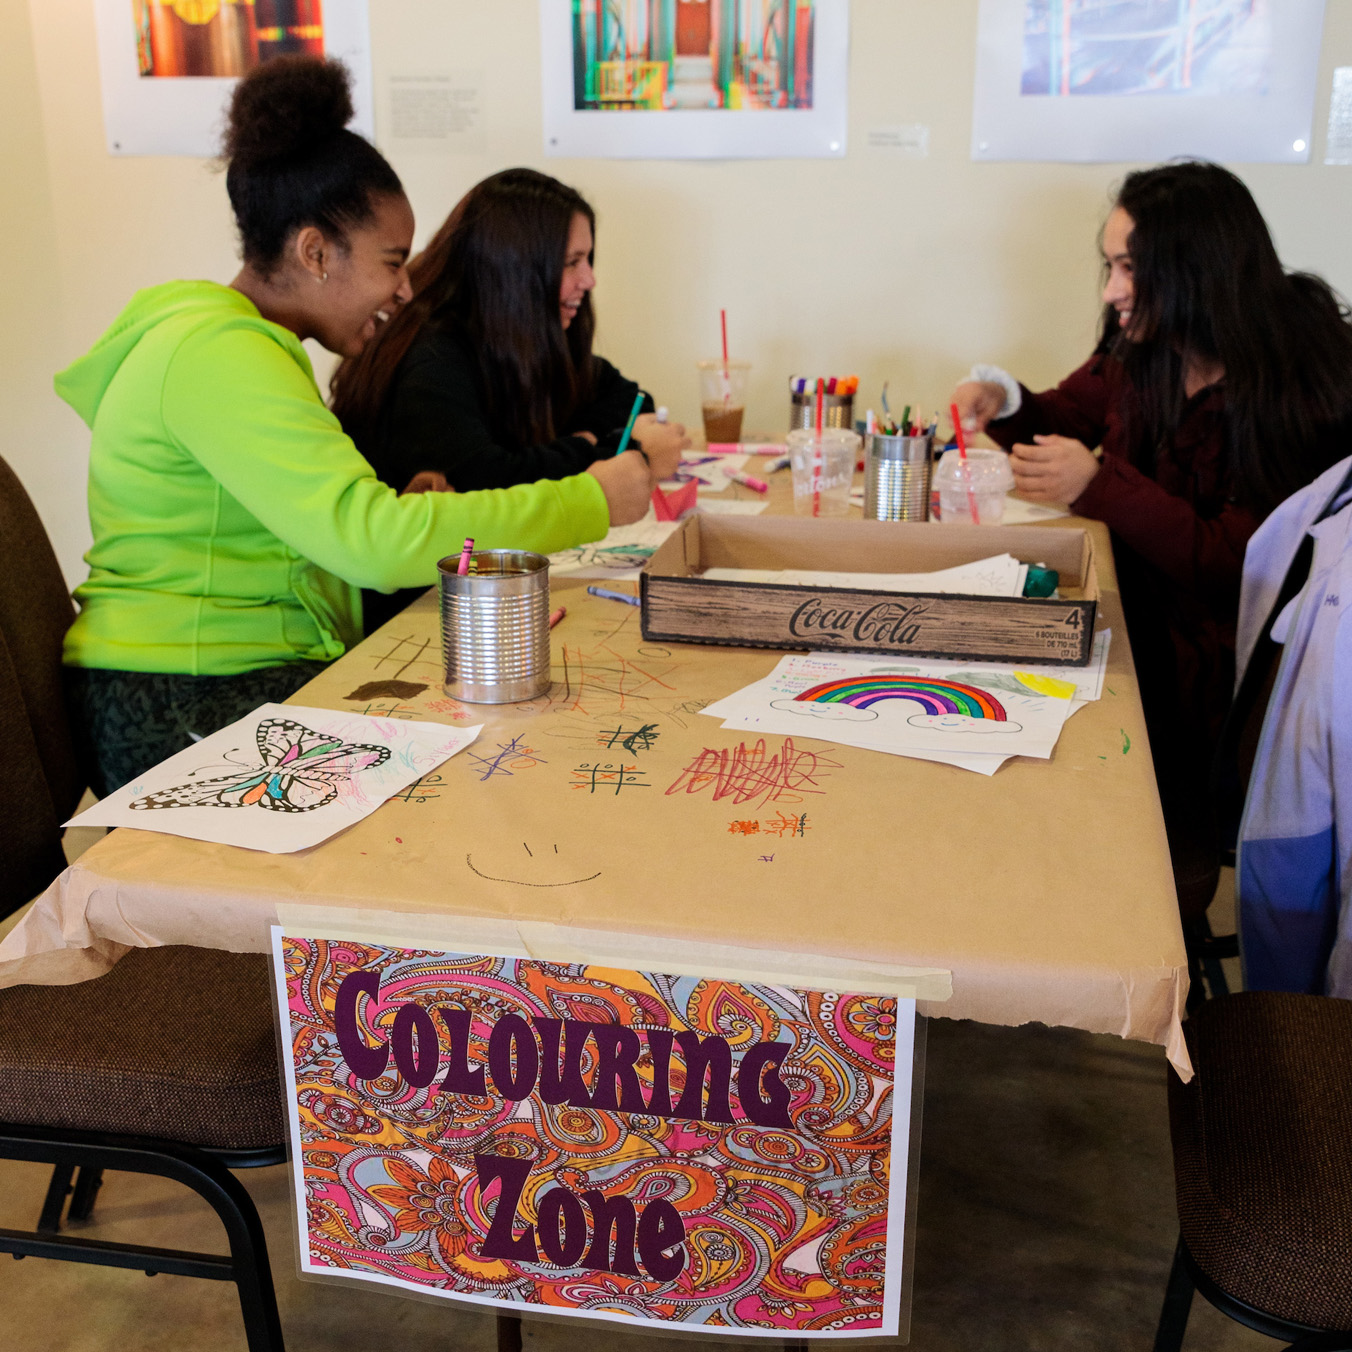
[1045,1223]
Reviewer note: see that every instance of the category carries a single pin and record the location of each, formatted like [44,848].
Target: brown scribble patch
[387,690]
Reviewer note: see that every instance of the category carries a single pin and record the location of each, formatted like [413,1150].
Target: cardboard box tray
[679,606]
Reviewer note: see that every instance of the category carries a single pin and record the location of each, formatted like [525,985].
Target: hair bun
[286,107]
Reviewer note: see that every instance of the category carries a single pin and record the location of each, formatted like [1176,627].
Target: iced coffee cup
[723,399]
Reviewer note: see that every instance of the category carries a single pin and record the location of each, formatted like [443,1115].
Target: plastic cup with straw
[966,466]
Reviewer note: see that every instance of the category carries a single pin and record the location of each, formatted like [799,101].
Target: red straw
[817,451]
[966,468]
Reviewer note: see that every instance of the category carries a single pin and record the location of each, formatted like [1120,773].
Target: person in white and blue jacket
[1294,869]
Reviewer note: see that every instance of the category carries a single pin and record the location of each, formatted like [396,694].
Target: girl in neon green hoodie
[234,522]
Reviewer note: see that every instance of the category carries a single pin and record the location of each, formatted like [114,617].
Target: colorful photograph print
[585,1141]
[1123,47]
[674,55]
[222,38]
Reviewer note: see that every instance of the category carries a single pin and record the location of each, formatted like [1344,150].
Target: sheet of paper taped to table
[610,804]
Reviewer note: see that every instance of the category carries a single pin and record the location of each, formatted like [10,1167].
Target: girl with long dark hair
[487,378]
[233,520]
[1221,384]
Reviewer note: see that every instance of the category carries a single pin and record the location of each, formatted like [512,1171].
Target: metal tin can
[897,478]
[495,626]
[837,410]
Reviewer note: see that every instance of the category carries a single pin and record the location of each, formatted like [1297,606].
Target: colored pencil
[607,595]
[629,426]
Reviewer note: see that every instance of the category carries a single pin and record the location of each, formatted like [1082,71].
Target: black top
[435,417]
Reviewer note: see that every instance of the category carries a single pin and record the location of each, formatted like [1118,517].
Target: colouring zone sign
[579,1140]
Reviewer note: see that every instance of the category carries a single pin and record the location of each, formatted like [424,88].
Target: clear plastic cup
[988,476]
[823,470]
[722,392]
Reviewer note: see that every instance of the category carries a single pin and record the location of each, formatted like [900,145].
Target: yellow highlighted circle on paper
[1046,685]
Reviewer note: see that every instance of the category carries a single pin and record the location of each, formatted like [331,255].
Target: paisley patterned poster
[579,1140]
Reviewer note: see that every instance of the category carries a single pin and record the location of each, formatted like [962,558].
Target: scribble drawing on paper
[301,770]
[632,740]
[1127,47]
[609,778]
[508,759]
[750,774]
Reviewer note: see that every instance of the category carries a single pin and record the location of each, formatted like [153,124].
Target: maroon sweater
[1179,538]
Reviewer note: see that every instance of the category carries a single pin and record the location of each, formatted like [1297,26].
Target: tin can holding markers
[897,478]
[495,626]
[837,410]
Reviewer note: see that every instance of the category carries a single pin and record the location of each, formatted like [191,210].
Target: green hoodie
[234,521]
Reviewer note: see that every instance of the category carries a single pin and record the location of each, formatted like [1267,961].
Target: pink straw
[966,467]
[817,451]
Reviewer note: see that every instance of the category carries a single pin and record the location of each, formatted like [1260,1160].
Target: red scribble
[749,774]
[605,675]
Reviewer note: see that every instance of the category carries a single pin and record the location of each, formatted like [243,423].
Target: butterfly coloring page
[282,779]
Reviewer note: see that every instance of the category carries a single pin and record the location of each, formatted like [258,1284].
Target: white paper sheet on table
[711,470]
[999,575]
[620,555]
[1016,713]
[732,506]
[744,710]
[1021,513]
[284,778]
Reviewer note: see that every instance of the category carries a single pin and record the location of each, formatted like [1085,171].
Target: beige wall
[895,268]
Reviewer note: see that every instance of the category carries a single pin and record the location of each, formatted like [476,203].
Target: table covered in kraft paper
[611,805]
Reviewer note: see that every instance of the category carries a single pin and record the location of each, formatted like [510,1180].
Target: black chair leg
[248,1251]
[206,1174]
[1177,1306]
[49,1222]
[509,1333]
[87,1184]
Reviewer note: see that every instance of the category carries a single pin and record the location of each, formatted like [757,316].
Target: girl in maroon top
[1220,386]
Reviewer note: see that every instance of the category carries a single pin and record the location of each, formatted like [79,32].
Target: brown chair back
[40,782]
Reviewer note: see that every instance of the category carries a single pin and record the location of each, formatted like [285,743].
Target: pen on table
[462,569]
[557,616]
[629,426]
[744,447]
[782,463]
[607,595]
[748,481]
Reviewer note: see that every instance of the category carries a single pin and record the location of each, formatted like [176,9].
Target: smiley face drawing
[543,866]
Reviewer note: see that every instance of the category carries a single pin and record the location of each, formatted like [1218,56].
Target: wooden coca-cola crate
[680,606]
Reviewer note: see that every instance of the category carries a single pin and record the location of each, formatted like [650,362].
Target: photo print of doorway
[689,55]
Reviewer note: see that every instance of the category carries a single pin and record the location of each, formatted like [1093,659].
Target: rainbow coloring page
[934,710]
[284,778]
